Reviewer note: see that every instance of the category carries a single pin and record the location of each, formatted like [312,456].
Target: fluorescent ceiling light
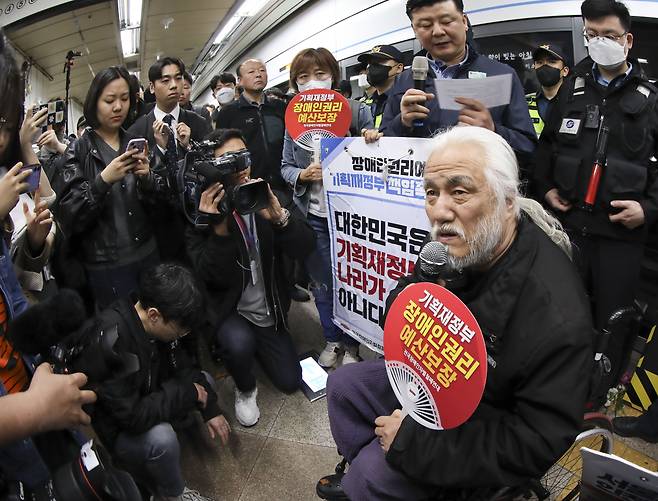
[130,42]
[251,7]
[130,13]
[227,29]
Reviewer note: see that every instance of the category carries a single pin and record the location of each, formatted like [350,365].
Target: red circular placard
[317,113]
[435,355]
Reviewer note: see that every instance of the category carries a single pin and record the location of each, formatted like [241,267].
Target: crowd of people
[508,191]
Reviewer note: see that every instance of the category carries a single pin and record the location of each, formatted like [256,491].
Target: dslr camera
[201,169]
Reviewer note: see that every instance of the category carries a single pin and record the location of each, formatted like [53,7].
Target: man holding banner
[526,296]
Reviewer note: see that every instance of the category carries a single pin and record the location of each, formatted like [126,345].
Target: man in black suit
[178,125]
[166,83]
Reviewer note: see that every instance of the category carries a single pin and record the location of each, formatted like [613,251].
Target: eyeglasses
[615,38]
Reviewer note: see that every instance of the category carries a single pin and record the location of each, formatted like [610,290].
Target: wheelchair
[562,480]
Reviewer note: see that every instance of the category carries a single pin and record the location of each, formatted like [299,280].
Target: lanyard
[250,240]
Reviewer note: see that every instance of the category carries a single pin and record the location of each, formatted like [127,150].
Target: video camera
[201,169]
[57,330]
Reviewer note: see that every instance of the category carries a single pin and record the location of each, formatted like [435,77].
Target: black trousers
[611,273]
[241,343]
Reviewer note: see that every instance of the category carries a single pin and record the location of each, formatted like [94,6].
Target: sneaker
[246,408]
[190,495]
[351,355]
[329,355]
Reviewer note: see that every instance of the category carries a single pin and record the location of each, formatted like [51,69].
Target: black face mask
[377,74]
[548,76]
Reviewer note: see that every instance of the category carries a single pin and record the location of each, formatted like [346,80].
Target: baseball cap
[381,52]
[550,49]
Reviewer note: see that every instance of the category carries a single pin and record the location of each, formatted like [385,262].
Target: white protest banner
[377,225]
[607,477]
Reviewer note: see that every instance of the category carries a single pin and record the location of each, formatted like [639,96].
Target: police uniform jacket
[567,147]
[535,319]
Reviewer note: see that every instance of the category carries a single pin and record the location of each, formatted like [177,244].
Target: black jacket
[564,160]
[143,127]
[202,111]
[85,203]
[222,262]
[161,390]
[536,323]
[263,127]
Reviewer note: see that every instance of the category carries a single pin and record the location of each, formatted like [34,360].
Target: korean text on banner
[377,224]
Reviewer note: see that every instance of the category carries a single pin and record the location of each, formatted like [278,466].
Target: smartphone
[55,114]
[34,178]
[139,144]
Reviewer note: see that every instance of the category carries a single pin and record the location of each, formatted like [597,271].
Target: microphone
[433,258]
[419,70]
[434,265]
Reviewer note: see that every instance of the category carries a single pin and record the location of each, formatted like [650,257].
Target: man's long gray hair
[502,174]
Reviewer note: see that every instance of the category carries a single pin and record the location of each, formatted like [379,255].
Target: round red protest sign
[316,114]
[435,355]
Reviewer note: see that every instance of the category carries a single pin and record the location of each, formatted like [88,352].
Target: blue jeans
[153,456]
[318,265]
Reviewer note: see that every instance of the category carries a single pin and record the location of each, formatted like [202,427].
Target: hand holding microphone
[413,111]
[434,267]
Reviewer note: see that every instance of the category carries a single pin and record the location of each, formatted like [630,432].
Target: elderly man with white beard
[527,297]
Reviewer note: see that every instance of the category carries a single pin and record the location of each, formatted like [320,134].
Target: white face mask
[363,81]
[607,53]
[225,95]
[315,84]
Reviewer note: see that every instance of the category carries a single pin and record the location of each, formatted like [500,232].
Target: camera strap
[252,247]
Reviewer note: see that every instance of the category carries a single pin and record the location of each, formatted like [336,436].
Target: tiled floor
[283,456]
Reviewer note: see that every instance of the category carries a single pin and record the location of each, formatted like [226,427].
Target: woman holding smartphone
[25,192]
[318,69]
[104,186]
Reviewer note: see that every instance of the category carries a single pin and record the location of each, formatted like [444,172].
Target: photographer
[137,407]
[240,260]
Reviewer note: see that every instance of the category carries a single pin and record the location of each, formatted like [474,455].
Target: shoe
[246,408]
[299,295]
[351,355]
[190,495]
[331,488]
[632,427]
[329,355]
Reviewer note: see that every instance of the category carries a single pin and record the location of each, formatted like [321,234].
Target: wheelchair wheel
[562,481]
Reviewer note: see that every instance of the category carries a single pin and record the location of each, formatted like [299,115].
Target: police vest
[533,109]
[370,103]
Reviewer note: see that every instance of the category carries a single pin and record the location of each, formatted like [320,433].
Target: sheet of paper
[491,91]
[313,375]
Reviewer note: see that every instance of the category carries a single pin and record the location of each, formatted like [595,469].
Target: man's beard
[481,244]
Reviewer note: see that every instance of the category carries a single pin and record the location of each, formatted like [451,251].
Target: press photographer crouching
[238,254]
[139,407]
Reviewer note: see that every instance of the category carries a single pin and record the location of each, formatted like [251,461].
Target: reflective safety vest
[369,101]
[533,109]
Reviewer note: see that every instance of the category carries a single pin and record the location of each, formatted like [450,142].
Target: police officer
[384,63]
[607,91]
[551,68]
